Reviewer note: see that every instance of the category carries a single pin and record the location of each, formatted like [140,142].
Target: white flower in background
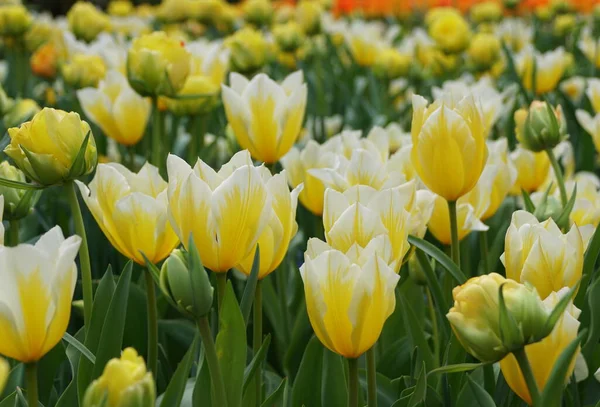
[573,88]
[209,59]
[515,32]
[591,124]
[593,93]
[549,68]
[364,40]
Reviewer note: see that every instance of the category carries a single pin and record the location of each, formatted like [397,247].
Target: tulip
[593,93]
[588,47]
[4,371]
[549,68]
[573,88]
[225,211]
[467,221]
[175,11]
[18,203]
[532,169]
[123,383]
[484,50]
[248,50]
[15,20]
[591,124]
[451,32]
[347,301]
[544,355]
[86,21]
[38,288]
[364,41]
[258,12]
[543,128]
[46,147]
[541,255]
[266,117]
[21,111]
[308,15]
[84,71]
[39,33]
[475,315]
[391,64]
[449,150]
[44,61]
[564,24]
[289,36]
[586,210]
[515,32]
[486,12]
[120,8]
[209,59]
[157,65]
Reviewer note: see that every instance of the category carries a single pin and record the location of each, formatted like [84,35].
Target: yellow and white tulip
[549,68]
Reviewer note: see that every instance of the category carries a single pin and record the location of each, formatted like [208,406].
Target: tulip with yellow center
[22,110]
[308,15]
[225,211]
[391,63]
[125,382]
[591,124]
[486,12]
[515,32]
[209,59]
[46,147]
[120,8]
[175,11]
[449,150]
[131,210]
[116,108]
[573,88]
[532,169]
[467,221]
[289,36]
[589,48]
[586,210]
[258,12]
[364,41]
[484,50]
[548,67]
[544,355]
[248,50]
[86,21]
[348,296]
[541,255]
[15,20]
[36,293]
[593,93]
[83,71]
[266,117]
[451,32]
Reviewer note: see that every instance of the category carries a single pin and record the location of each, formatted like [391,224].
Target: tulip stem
[32,384]
[152,324]
[257,337]
[197,133]
[221,286]
[371,377]
[13,232]
[434,327]
[559,177]
[454,232]
[84,254]
[157,135]
[353,383]
[523,362]
[483,245]
[210,352]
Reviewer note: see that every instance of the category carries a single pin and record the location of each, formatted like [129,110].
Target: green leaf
[529,205]
[301,335]
[151,267]
[69,398]
[15,378]
[248,296]
[231,347]
[510,333]
[19,185]
[589,261]
[420,392]
[174,392]
[457,368]
[594,326]
[49,368]
[256,362]
[334,389]
[482,398]
[78,166]
[434,286]
[307,386]
[563,218]
[559,309]
[417,334]
[80,347]
[440,257]
[274,397]
[202,394]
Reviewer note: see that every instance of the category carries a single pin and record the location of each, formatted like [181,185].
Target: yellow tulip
[175,11]
[486,12]
[22,110]
[467,220]
[593,93]
[131,210]
[83,71]
[38,285]
[40,33]
[4,371]
[198,96]
[591,124]
[348,298]
[541,255]
[364,41]
[549,68]
[515,32]
[15,20]
[266,117]
[308,15]
[17,203]
[532,169]
[46,147]
[289,36]
[391,63]
[157,65]
[573,88]
[86,21]
[120,8]
[125,382]
[564,24]
[225,211]
[484,50]
[248,50]
[586,210]
[281,227]
[451,32]
[114,106]
[475,315]
[209,59]
[543,355]
[588,47]
[449,150]
[258,12]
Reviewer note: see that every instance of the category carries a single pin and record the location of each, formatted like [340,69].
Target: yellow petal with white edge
[131,113]
[357,224]
[295,107]
[238,116]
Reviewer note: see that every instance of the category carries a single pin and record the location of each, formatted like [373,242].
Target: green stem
[434,327]
[13,232]
[197,136]
[483,244]
[221,286]
[282,283]
[157,135]
[257,337]
[32,384]
[454,231]
[521,357]
[353,383]
[213,362]
[84,254]
[152,324]
[371,377]
[559,177]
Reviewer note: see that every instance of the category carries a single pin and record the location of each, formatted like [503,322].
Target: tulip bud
[391,64]
[18,203]
[415,271]
[86,21]
[84,71]
[486,12]
[21,111]
[258,12]
[124,383]
[15,20]
[564,24]
[289,36]
[199,95]
[308,15]
[484,50]
[543,128]
[248,50]
[185,283]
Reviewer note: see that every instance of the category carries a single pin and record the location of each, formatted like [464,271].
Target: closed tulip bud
[484,50]
[451,32]
[21,111]
[4,371]
[125,382]
[157,65]
[36,293]
[475,315]
[266,117]
[449,150]
[44,61]
[83,71]
[248,50]
[391,63]
[308,15]
[18,203]
[486,12]
[188,288]
[198,96]
[258,12]
[348,297]
[532,169]
[544,127]
[39,34]
[15,20]
[289,36]
[120,8]
[86,21]
[564,24]
[47,148]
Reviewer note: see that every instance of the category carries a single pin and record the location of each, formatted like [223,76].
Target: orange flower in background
[44,61]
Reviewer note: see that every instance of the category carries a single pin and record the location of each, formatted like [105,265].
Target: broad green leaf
[594,325]
[434,286]
[248,296]
[307,385]
[387,392]
[274,397]
[256,362]
[460,367]
[301,334]
[418,396]
[19,185]
[16,377]
[202,395]
[69,397]
[174,393]
[417,334]
[334,390]
[80,347]
[589,262]
[479,394]
[440,257]
[48,368]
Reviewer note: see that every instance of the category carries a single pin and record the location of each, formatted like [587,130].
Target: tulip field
[316,203]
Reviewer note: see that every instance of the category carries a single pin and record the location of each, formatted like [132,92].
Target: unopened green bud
[18,203]
[544,127]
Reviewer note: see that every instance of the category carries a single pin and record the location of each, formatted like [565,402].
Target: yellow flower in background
[116,108]
[46,147]
[586,210]
[308,15]
[564,24]
[175,11]
[475,315]
[486,12]
[120,8]
[21,111]
[226,211]
[83,71]
[266,117]
[588,46]
[549,68]
[484,50]
[449,150]
[258,12]
[543,355]
[15,20]
[532,169]
[593,93]
[281,227]
[348,299]
[131,210]
[36,293]
[248,50]
[40,33]
[541,255]
[364,41]
[125,382]
[289,36]
[515,32]
[86,21]
[439,224]
[4,371]
[451,32]
[391,63]
[591,124]
[157,65]
[573,87]
[209,59]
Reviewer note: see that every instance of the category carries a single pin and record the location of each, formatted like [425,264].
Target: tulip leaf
[553,390]
[440,257]
[152,269]
[174,392]
[19,185]
[79,346]
[594,326]
[248,296]
[510,333]
[307,385]
[78,166]
[589,261]
[420,392]
[434,286]
[529,205]
[478,394]
[563,218]
[256,362]
[459,367]
[416,333]
[69,396]
[231,346]
[202,393]
[274,397]
[197,273]
[334,389]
